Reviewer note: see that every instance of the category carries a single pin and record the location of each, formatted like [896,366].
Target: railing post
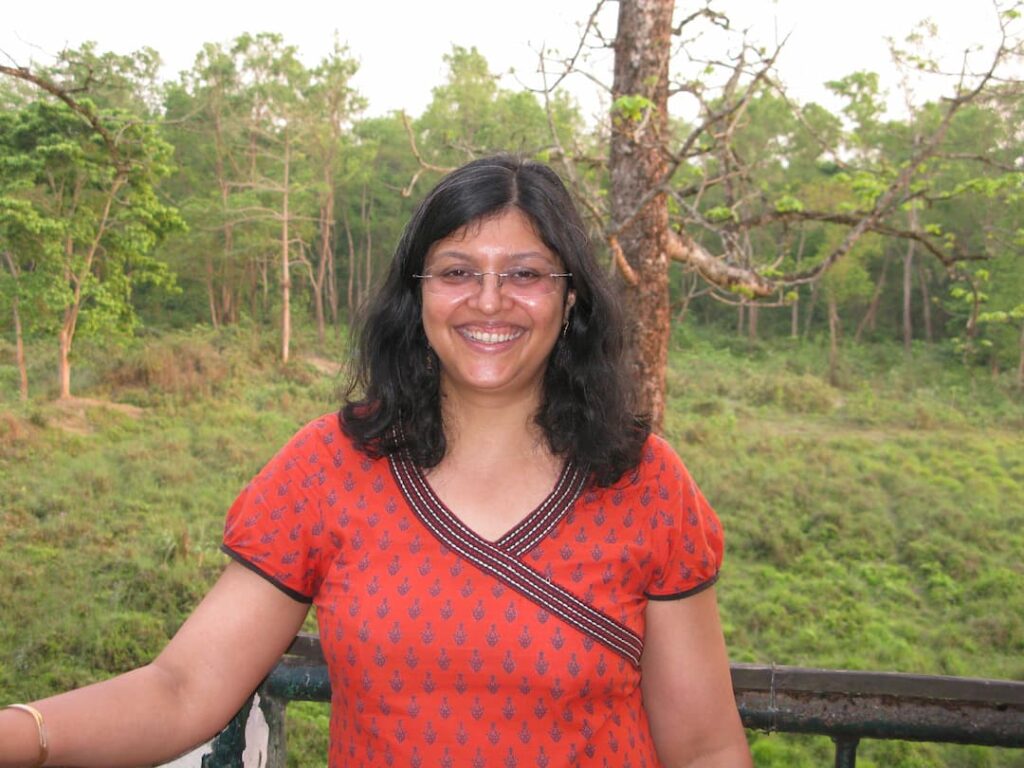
[255,737]
[846,751]
[277,747]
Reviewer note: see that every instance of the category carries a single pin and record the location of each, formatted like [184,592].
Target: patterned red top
[448,650]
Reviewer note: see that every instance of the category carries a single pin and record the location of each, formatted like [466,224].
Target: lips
[490,337]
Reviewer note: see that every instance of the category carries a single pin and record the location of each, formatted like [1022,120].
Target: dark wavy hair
[586,410]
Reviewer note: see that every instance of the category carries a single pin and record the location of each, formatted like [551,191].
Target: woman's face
[492,340]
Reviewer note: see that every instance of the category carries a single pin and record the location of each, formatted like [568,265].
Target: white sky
[400,43]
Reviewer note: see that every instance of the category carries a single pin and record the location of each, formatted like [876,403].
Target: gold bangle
[44,747]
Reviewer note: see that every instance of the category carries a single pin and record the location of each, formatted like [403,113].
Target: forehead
[504,235]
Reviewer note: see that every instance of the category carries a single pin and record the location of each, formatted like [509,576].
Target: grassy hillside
[875,525]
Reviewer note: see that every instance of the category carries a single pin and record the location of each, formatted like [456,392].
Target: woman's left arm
[687,687]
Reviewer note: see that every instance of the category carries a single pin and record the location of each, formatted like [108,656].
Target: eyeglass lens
[522,283]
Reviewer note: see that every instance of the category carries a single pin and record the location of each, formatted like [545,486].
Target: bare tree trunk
[368,244]
[64,364]
[642,52]
[286,279]
[752,312]
[351,266]
[332,287]
[358,268]
[69,323]
[869,319]
[318,302]
[324,272]
[908,285]
[794,310]
[332,280]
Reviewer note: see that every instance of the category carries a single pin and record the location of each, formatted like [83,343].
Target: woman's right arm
[184,697]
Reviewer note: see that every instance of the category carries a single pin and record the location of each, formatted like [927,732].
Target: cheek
[433,316]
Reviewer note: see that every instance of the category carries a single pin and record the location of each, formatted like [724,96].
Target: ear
[570,302]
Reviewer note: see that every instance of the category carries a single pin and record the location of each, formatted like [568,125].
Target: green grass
[877,526]
[874,525]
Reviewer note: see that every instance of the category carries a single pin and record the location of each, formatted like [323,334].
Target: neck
[482,429]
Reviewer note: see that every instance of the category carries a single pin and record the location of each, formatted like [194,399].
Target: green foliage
[874,527]
[631,108]
[719,213]
[81,216]
[788,204]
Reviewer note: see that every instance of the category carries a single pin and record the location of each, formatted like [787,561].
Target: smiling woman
[507,568]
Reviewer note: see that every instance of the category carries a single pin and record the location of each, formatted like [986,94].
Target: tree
[87,173]
[329,106]
[638,211]
[689,194]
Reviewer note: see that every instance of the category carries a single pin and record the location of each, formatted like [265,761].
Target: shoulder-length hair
[586,410]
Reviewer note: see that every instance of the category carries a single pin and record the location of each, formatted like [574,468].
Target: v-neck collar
[517,540]
[502,559]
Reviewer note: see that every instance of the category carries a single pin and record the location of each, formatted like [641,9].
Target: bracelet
[44,747]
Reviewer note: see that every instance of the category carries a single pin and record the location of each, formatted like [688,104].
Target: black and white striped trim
[500,559]
[532,529]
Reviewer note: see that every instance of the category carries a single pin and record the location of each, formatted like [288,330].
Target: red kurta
[445,649]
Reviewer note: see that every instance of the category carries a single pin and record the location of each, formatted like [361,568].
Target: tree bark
[350,287]
[286,279]
[637,162]
[868,321]
[64,364]
[908,285]
[794,310]
[69,322]
[367,214]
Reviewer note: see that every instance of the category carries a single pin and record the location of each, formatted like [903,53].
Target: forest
[251,189]
[843,291]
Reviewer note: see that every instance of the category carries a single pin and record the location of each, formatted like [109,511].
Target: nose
[489,296]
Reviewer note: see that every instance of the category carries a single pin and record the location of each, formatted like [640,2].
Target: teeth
[485,337]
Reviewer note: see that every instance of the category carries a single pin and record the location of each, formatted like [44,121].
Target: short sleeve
[690,541]
[276,525]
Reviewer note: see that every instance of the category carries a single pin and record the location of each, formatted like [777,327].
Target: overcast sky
[400,44]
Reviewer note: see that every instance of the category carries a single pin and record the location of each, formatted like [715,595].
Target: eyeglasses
[521,282]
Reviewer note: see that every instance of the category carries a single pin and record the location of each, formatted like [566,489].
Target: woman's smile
[490,336]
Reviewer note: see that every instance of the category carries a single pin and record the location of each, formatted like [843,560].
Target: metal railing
[845,705]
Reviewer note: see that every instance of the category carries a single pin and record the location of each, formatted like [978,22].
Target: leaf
[631,107]
[719,214]
[788,204]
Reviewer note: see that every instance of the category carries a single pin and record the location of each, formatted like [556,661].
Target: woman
[508,570]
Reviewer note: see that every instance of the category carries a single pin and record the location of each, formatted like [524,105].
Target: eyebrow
[456,254]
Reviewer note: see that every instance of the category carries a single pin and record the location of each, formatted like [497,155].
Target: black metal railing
[845,705]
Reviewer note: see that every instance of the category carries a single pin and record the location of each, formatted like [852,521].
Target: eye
[455,275]
[523,276]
